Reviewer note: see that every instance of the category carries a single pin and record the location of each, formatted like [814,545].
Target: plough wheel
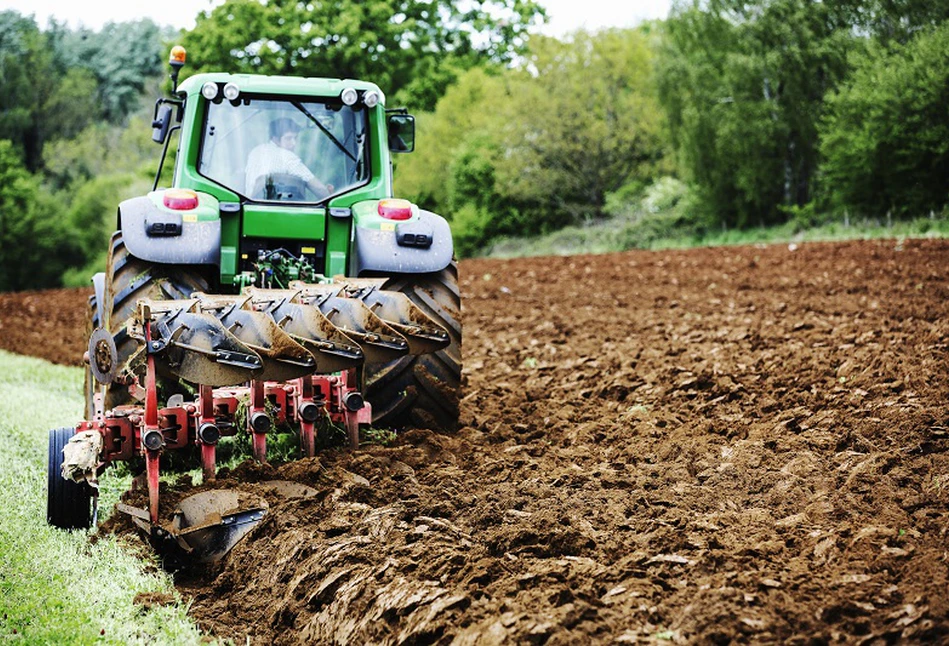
[129,279]
[422,389]
[68,503]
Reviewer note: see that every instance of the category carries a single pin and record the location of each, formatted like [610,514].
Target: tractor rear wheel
[68,503]
[422,390]
[129,279]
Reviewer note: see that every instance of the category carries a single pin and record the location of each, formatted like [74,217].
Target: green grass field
[57,587]
[620,234]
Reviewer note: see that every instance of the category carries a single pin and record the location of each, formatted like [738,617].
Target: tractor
[278,283]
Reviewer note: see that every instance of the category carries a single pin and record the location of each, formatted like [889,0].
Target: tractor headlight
[209,90]
[371,98]
[231,91]
[348,96]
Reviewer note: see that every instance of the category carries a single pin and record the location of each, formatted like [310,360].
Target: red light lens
[395,209]
[180,199]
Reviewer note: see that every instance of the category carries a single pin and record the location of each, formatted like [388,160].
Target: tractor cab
[273,149]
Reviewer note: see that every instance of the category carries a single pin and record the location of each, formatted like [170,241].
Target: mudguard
[379,250]
[198,244]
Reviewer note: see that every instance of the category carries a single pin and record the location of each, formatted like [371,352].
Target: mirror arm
[164,152]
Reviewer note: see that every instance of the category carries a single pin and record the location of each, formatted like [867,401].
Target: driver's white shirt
[269,159]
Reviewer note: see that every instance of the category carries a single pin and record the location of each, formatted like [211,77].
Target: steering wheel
[284,187]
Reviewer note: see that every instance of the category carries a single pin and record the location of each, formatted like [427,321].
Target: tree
[35,242]
[54,84]
[28,79]
[885,138]
[470,108]
[416,45]
[743,85]
[122,57]
[583,121]
[534,149]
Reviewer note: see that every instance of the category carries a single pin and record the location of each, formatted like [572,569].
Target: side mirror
[401,132]
[161,123]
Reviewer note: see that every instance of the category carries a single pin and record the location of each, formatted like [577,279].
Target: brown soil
[49,324]
[714,445]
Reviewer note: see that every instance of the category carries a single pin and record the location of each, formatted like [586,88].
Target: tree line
[726,114]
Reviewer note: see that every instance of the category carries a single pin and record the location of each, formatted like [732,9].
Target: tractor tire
[128,280]
[422,390]
[68,503]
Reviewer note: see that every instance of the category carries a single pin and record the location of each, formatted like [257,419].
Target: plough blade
[196,346]
[399,312]
[284,359]
[380,343]
[332,349]
[207,525]
[280,335]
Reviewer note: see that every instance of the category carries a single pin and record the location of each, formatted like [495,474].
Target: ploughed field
[730,444]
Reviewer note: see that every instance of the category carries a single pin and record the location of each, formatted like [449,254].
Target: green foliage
[745,87]
[28,82]
[378,436]
[885,138]
[601,126]
[496,166]
[92,219]
[743,84]
[36,245]
[461,113]
[892,21]
[121,58]
[398,44]
[664,194]
[667,209]
[471,227]
[71,105]
[102,149]
[54,84]
[661,231]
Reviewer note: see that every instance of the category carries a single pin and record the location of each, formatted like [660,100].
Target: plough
[263,359]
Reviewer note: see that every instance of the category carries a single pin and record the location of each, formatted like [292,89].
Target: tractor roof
[263,84]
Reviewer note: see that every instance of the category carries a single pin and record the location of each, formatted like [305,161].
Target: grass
[619,234]
[56,587]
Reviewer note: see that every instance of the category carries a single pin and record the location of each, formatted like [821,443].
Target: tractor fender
[379,251]
[198,244]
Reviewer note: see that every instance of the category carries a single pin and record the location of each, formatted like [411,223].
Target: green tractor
[276,282]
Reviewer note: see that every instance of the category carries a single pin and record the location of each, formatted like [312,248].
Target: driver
[277,157]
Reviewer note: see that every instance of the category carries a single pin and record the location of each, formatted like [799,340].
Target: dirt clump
[726,445]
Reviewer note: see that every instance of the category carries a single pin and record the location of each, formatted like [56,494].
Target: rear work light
[180,199]
[395,209]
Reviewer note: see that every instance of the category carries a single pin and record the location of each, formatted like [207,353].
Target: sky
[565,15]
